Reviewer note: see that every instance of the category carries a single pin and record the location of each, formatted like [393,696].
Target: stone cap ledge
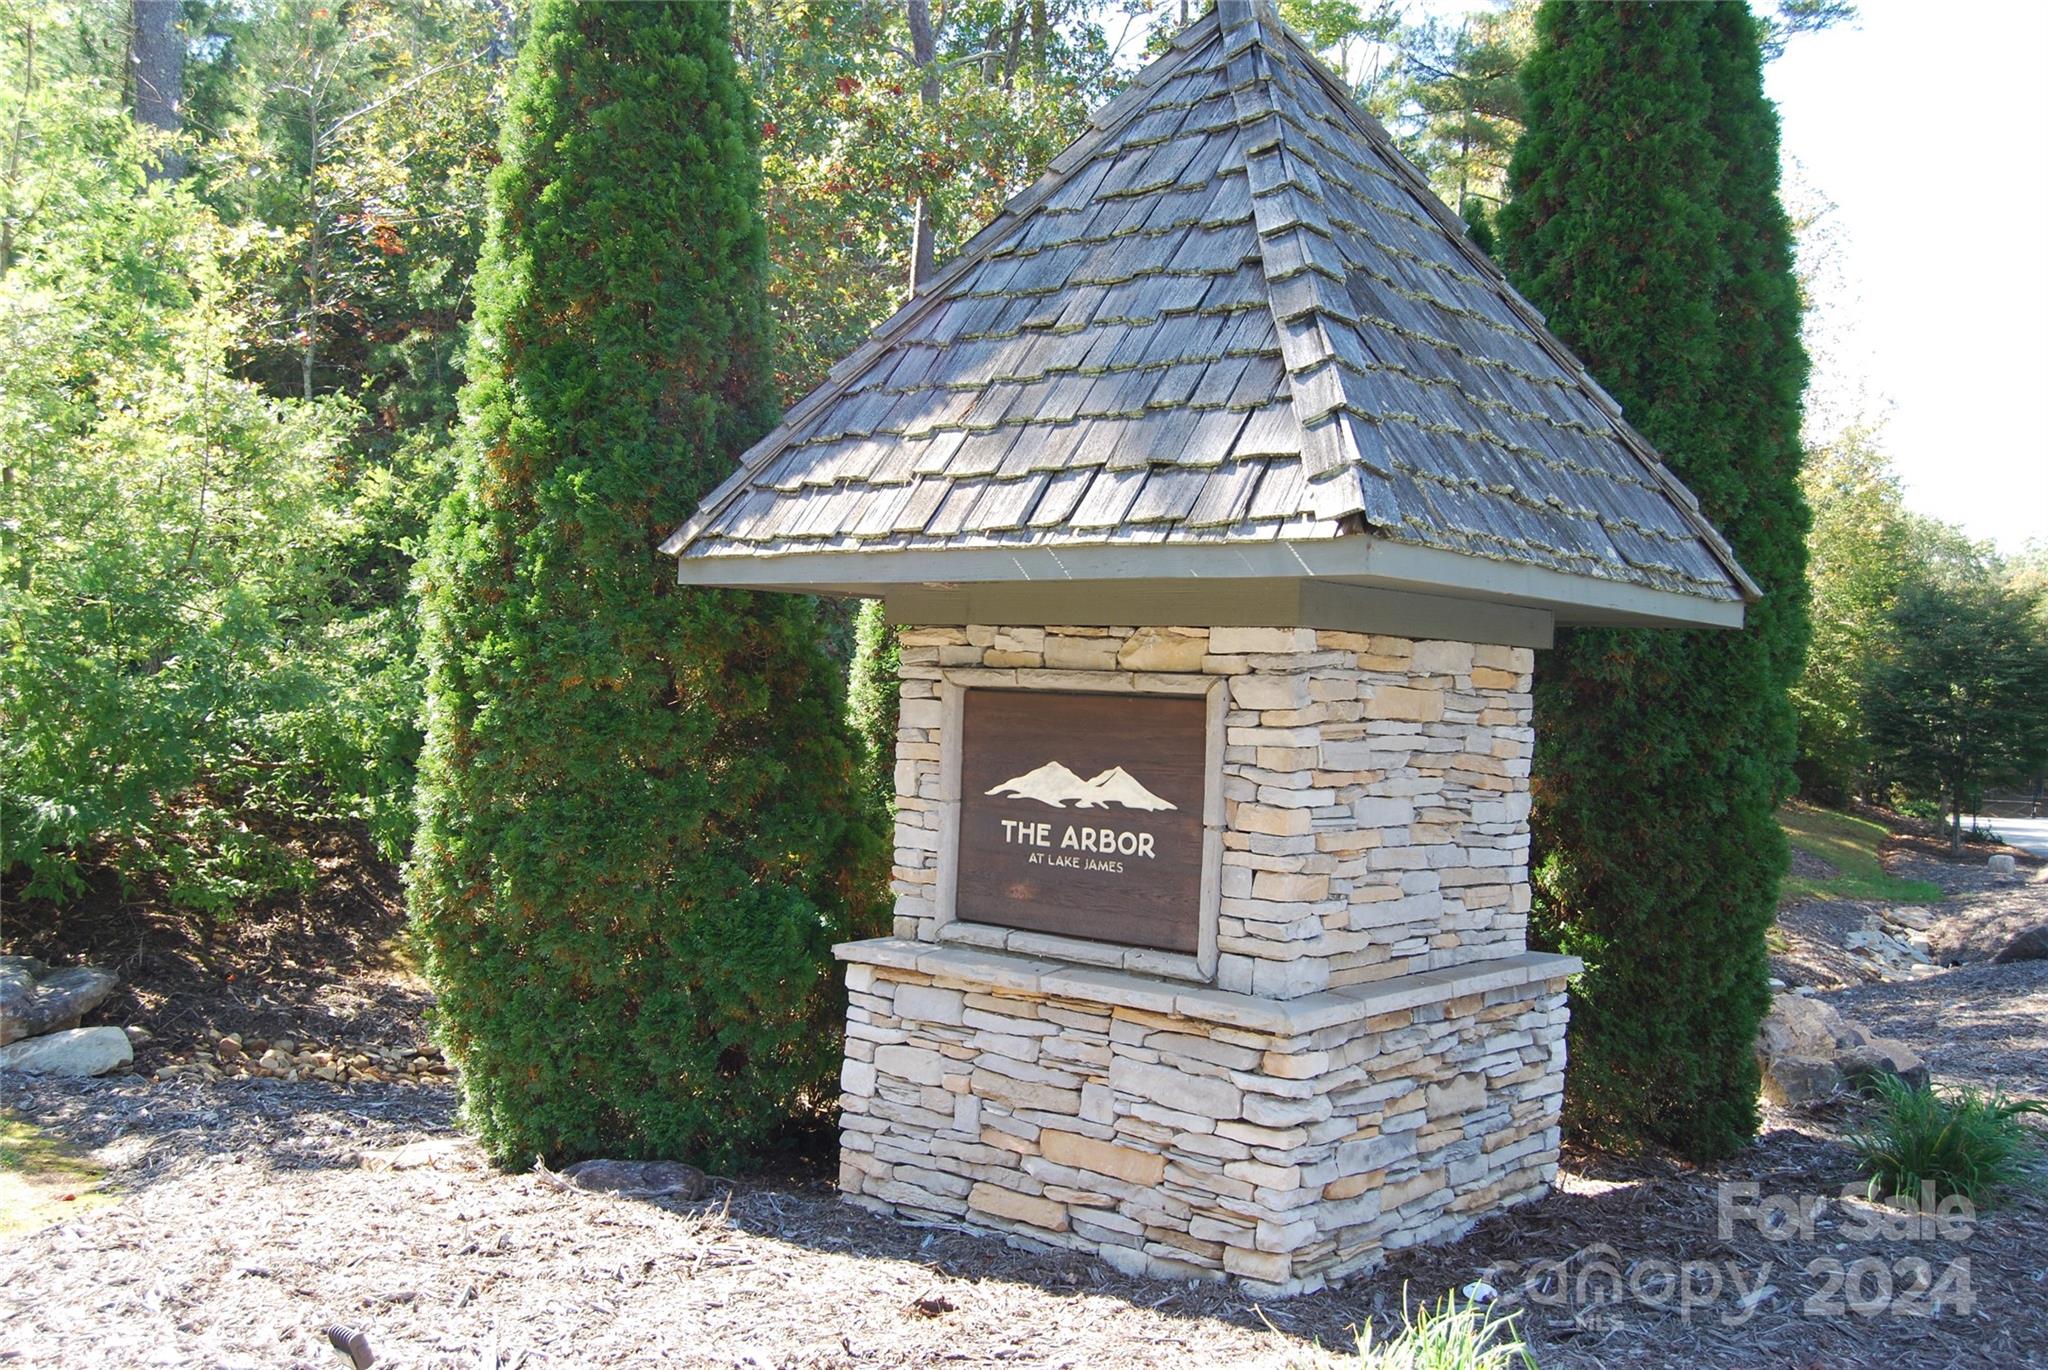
[1280,1017]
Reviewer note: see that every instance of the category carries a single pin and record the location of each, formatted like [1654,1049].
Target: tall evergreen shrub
[1645,222]
[641,826]
[874,703]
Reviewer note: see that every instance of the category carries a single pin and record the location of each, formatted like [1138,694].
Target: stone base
[1183,1132]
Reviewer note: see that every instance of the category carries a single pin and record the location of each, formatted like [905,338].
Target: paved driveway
[2030,833]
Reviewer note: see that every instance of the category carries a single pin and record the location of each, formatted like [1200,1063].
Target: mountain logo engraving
[1055,785]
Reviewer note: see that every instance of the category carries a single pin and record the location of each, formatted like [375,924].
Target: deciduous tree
[1958,701]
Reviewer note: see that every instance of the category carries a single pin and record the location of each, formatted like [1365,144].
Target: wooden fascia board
[1359,559]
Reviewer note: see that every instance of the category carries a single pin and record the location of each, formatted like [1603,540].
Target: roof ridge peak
[1118,112]
[1229,313]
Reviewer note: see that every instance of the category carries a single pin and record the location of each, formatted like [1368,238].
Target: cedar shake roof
[1230,313]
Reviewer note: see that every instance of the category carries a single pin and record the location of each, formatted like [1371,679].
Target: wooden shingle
[1229,313]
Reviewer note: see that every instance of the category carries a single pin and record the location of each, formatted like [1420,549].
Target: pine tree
[641,825]
[1645,223]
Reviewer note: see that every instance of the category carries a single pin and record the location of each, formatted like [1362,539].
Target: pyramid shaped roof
[1231,332]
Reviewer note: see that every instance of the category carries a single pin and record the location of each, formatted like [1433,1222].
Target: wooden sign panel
[1081,814]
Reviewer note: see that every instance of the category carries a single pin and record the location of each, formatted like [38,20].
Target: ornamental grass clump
[1450,1336]
[1965,1143]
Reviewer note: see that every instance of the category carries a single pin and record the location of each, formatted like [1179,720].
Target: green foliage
[1862,552]
[848,145]
[174,675]
[641,826]
[1965,1143]
[1851,846]
[872,704]
[1479,227]
[1461,89]
[1451,1336]
[1645,223]
[1958,698]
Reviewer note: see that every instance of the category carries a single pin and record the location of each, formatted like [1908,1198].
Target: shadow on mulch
[165,1130]
[317,966]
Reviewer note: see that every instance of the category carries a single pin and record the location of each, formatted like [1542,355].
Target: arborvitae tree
[873,703]
[641,825]
[1479,227]
[1645,222]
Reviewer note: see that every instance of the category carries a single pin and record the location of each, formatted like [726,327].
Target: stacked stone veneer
[1370,1058]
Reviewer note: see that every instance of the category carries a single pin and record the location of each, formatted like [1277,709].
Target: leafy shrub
[872,703]
[1964,1143]
[172,663]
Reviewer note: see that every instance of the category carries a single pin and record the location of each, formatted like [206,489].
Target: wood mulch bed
[250,1214]
[318,967]
[254,1215]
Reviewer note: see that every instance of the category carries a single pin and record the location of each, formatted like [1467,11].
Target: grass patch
[1850,846]
[1963,1143]
[42,1181]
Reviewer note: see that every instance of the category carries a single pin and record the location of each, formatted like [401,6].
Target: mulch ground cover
[316,967]
[251,1214]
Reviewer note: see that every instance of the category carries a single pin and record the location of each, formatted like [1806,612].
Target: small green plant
[1963,1143]
[1451,1336]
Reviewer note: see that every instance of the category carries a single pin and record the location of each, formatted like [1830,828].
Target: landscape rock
[638,1179]
[70,1051]
[2031,945]
[1808,1051]
[35,999]
[1800,1026]
[1877,1057]
[18,976]
[2003,864]
[1790,1080]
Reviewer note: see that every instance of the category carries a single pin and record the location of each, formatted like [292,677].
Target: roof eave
[1357,559]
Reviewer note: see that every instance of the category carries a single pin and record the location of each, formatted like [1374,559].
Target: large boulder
[1808,1051]
[1790,1080]
[2031,945]
[1878,1058]
[35,999]
[18,976]
[1800,1025]
[70,1051]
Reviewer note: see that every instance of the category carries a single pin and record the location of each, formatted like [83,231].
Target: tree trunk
[156,79]
[315,249]
[12,180]
[1955,831]
[923,50]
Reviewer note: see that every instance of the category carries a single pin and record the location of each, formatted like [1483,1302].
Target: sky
[1918,124]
